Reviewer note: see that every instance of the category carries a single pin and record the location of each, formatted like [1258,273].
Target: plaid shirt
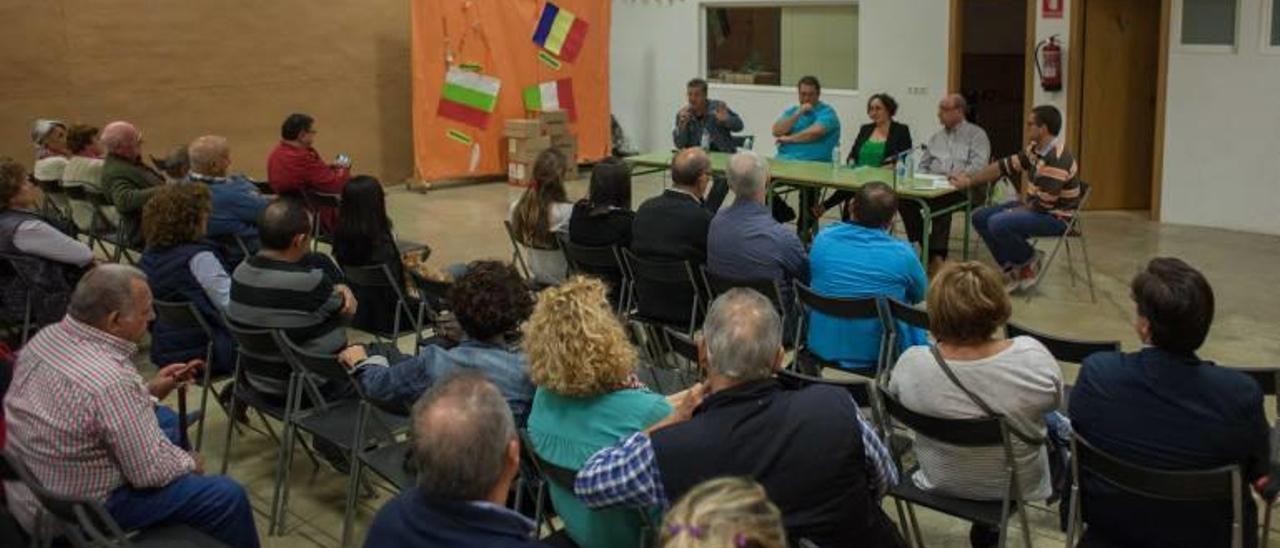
[81,418]
[627,472]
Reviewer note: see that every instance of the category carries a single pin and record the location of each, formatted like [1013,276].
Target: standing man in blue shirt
[709,125]
[808,131]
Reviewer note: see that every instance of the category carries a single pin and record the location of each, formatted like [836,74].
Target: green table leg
[968,220]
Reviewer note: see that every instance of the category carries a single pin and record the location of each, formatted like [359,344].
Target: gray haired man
[744,241]
[467,454]
[821,463]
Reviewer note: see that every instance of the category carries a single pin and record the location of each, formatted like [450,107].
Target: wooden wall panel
[233,67]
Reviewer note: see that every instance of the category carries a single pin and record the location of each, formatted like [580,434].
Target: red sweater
[295,169]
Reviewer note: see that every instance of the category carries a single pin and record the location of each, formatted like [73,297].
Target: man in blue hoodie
[237,204]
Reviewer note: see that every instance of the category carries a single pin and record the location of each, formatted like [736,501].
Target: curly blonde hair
[575,345]
[176,214]
[721,513]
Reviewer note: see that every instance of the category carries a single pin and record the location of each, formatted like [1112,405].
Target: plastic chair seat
[388,462]
[976,511]
[337,423]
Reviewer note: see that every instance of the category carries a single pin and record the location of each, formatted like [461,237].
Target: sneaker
[1029,274]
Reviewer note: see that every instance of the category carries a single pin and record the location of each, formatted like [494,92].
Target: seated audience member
[55,259]
[960,147]
[285,286]
[127,182]
[86,424]
[723,512]
[364,238]
[542,211]
[83,169]
[50,139]
[182,266]
[672,227]
[237,204]
[583,362]
[749,425]
[604,217]
[1017,378]
[1043,210]
[878,143]
[467,455]
[489,301]
[1164,407]
[294,166]
[859,259]
[175,166]
[744,242]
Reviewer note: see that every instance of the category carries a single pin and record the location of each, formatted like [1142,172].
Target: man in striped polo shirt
[86,424]
[1042,209]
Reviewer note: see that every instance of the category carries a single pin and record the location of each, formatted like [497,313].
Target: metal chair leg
[915,525]
[1026,527]
[1071,263]
[204,398]
[1088,268]
[902,522]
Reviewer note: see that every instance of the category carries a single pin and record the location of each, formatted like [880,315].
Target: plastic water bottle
[900,172]
[706,137]
[835,158]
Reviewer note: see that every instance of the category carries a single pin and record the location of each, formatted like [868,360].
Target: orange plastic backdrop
[497,35]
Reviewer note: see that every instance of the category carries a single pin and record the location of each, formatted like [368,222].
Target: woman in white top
[50,140]
[544,210]
[1016,378]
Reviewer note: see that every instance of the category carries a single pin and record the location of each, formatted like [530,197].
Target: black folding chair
[859,389]
[318,202]
[1218,484]
[983,432]
[604,263]
[905,314]
[342,423]
[379,277]
[110,231]
[1062,348]
[93,230]
[1268,380]
[86,522]
[56,204]
[718,284]
[1075,229]
[259,353]
[658,288]
[563,478]
[10,264]
[807,361]
[185,315]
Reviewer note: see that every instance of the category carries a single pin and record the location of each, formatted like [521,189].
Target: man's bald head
[951,110]
[209,155]
[874,205]
[122,139]
[283,220]
[463,433]
[742,336]
[689,167]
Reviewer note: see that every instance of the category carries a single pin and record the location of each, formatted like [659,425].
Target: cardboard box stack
[526,138]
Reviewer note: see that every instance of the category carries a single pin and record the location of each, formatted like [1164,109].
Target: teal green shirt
[871,154]
[567,431]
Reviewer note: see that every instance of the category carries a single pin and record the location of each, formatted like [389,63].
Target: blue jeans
[214,505]
[1006,227]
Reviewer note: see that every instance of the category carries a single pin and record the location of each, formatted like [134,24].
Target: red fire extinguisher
[1050,67]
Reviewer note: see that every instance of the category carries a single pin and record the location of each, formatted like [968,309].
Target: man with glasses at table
[808,131]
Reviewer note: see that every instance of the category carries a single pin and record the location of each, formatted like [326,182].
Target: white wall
[1044,29]
[656,48]
[1222,134]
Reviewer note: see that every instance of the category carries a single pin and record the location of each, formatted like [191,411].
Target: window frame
[1264,42]
[706,5]
[1176,33]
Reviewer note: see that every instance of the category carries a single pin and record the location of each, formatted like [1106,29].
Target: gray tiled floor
[462,223]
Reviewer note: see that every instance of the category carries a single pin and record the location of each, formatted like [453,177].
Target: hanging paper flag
[468,97]
[549,96]
[560,32]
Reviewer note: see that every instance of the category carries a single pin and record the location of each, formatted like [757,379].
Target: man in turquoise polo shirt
[809,130]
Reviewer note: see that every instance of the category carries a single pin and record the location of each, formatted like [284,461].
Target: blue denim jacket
[401,384]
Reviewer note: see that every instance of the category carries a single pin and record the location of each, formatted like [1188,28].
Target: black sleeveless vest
[804,446]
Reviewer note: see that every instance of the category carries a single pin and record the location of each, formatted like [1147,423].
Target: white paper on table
[935,181]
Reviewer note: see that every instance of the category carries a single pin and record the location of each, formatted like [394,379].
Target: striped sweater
[1055,188]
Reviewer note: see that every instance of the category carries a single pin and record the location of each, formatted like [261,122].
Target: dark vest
[169,275]
[804,446]
[52,281]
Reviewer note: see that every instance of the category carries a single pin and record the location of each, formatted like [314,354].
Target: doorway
[988,67]
[1119,46]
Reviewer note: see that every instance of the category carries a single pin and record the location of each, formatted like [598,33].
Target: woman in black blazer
[878,144]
